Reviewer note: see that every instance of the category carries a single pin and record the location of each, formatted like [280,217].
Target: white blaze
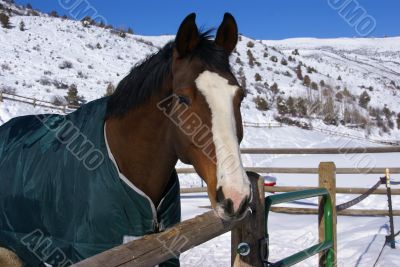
[219,95]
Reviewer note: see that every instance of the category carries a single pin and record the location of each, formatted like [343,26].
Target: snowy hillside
[52,53]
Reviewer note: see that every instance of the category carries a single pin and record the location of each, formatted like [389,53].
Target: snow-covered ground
[360,239]
[30,66]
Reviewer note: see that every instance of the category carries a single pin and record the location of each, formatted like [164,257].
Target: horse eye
[183,100]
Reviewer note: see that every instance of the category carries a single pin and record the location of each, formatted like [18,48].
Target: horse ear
[188,36]
[227,34]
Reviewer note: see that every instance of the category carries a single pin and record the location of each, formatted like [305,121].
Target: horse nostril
[228,205]
[220,195]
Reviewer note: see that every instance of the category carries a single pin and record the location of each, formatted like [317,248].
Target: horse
[75,185]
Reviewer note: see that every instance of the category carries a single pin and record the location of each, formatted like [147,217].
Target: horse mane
[148,76]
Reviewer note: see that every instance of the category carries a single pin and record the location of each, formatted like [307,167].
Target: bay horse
[73,186]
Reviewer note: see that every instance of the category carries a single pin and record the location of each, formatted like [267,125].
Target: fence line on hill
[335,133]
[36,102]
[69,108]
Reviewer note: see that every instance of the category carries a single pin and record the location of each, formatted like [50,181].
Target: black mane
[148,76]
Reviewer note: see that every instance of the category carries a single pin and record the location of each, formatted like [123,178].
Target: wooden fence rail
[278,189]
[330,150]
[262,170]
[156,248]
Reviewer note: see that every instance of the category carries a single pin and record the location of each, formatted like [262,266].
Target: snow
[28,59]
[30,65]
[360,239]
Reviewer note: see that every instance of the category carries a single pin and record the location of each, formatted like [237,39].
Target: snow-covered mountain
[305,82]
[51,54]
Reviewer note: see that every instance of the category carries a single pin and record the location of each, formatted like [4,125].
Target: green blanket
[62,198]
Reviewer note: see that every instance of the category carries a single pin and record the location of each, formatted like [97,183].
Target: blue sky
[261,19]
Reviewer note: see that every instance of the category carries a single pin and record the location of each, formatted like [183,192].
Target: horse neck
[141,143]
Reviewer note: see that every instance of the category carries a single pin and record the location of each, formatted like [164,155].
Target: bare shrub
[250,44]
[8,90]
[5,67]
[65,65]
[110,89]
[46,81]
[274,88]
[58,100]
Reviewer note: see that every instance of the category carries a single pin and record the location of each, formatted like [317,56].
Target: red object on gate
[269,181]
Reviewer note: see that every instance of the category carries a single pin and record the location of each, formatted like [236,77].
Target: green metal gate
[326,245]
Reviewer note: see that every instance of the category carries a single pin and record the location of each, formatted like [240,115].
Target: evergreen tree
[281,105]
[387,112]
[339,78]
[295,52]
[257,77]
[364,99]
[5,21]
[122,33]
[274,59]
[251,58]
[72,96]
[314,86]
[261,103]
[22,26]
[299,73]
[54,14]
[130,31]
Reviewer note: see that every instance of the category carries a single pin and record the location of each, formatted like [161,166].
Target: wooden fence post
[1,96]
[252,229]
[327,179]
